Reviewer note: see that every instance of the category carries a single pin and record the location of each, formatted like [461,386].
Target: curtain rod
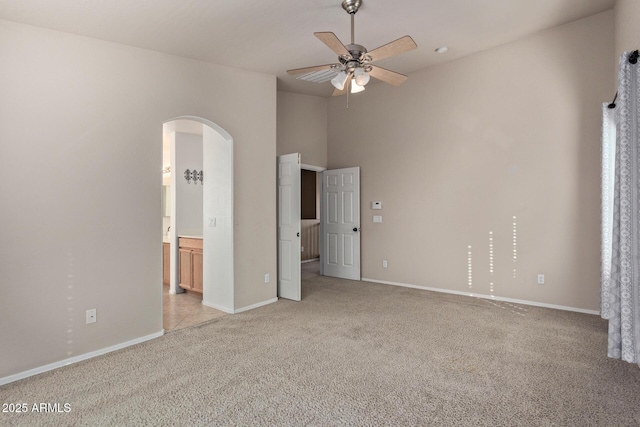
[633,59]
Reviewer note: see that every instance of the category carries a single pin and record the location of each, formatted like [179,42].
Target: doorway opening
[310,179]
[197,211]
[339,223]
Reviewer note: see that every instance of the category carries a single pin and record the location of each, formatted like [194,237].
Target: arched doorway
[213,219]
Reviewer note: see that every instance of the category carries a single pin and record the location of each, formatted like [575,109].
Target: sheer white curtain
[608,182]
[621,216]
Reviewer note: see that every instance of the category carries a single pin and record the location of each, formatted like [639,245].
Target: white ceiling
[271,36]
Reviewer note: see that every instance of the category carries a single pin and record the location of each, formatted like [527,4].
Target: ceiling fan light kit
[339,80]
[361,76]
[354,69]
[355,87]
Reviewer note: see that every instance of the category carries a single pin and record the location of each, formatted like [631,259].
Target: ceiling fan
[354,67]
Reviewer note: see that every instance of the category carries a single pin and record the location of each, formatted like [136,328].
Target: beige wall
[461,149]
[80,177]
[627,20]
[302,127]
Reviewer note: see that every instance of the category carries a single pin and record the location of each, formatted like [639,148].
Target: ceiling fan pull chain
[348,86]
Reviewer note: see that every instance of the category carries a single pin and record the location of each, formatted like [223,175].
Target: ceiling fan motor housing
[358,58]
[351,6]
[357,51]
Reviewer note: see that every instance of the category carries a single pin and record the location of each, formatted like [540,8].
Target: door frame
[318,170]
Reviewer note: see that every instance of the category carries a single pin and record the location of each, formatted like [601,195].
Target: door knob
[356,229]
[298,234]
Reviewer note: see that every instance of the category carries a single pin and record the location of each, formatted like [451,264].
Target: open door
[289,227]
[340,223]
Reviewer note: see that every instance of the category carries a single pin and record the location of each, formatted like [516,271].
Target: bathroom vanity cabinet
[166,271]
[190,263]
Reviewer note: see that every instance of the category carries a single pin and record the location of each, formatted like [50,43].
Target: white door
[340,221]
[289,226]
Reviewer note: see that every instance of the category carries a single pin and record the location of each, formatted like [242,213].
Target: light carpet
[353,353]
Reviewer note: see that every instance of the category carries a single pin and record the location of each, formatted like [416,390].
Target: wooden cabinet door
[196,270]
[186,278]
[165,264]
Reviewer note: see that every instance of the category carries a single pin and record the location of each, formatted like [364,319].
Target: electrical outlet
[267,279]
[301,248]
[540,279]
[91,316]
[384,263]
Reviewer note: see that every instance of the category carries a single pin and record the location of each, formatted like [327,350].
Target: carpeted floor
[353,353]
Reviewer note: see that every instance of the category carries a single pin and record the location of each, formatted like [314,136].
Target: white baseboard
[240,310]
[75,359]
[490,297]
[218,307]
[309,260]
[260,304]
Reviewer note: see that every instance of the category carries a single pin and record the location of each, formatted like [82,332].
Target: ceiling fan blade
[333,42]
[305,70]
[387,76]
[403,44]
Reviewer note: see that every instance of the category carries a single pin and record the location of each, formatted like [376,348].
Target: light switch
[377,218]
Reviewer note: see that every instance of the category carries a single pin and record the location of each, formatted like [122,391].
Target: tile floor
[185,310]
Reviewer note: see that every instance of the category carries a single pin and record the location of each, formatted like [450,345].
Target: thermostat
[376,205]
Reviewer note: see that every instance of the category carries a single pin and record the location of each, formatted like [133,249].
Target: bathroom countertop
[191,236]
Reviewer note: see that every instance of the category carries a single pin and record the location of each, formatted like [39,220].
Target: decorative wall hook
[194,175]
